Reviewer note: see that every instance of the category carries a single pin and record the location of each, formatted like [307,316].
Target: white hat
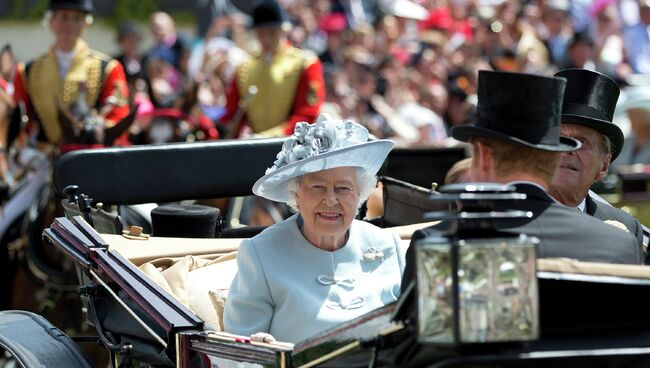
[326,144]
[634,97]
[404,9]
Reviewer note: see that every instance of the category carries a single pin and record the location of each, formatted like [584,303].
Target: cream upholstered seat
[197,272]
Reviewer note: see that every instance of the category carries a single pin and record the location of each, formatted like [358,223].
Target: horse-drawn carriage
[157,301]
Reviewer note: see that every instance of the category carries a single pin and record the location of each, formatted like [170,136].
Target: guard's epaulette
[100,55]
[107,62]
[307,55]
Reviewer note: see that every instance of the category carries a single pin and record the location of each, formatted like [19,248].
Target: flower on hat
[309,140]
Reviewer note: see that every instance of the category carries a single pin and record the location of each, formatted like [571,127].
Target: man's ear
[604,167]
[483,162]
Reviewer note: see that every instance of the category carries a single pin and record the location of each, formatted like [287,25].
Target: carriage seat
[197,272]
[200,284]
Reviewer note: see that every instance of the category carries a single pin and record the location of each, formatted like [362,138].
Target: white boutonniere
[617,224]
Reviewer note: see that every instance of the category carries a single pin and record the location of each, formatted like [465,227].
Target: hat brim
[369,156]
[270,24]
[611,130]
[464,133]
[71,6]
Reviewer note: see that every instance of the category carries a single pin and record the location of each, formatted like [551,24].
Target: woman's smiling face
[327,201]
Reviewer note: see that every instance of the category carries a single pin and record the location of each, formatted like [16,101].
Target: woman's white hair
[366,182]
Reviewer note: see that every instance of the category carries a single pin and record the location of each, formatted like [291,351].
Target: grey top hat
[519,108]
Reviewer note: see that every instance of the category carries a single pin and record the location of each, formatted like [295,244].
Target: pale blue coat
[284,284]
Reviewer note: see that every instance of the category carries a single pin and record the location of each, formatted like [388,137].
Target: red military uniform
[290,89]
[39,87]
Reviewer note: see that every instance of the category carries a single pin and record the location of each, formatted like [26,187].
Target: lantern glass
[495,291]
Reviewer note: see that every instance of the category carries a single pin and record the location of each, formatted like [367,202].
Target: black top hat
[519,108]
[85,6]
[590,100]
[268,13]
[185,221]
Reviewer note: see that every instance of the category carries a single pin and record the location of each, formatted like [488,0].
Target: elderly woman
[320,267]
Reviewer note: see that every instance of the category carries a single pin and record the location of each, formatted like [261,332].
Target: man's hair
[510,158]
[606,147]
[457,171]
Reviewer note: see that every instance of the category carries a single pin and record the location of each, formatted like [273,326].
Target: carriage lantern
[475,283]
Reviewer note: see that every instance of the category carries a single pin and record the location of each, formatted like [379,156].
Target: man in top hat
[75,78]
[516,140]
[278,88]
[589,102]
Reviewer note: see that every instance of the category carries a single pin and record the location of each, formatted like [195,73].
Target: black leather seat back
[169,172]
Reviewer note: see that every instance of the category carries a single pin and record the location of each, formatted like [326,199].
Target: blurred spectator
[166,81]
[399,27]
[132,59]
[556,31]
[209,10]
[510,33]
[6,105]
[453,18]
[7,67]
[429,127]
[356,11]
[225,35]
[580,17]
[211,94]
[364,83]
[581,52]
[609,47]
[169,44]
[635,101]
[333,25]
[434,96]
[459,109]
[637,40]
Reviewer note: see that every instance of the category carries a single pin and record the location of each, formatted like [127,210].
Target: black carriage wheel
[33,342]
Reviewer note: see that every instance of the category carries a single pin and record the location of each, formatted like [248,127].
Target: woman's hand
[262,337]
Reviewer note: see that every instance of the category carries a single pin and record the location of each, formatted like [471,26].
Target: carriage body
[585,317]
[589,314]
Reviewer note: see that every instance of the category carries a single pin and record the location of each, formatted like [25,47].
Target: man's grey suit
[605,211]
[562,231]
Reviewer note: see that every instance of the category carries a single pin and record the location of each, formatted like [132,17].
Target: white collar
[582,206]
[64,60]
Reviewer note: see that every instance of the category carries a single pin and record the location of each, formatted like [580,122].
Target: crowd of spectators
[405,69]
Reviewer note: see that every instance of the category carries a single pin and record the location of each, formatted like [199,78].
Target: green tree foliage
[22,10]
[129,10]
[123,10]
